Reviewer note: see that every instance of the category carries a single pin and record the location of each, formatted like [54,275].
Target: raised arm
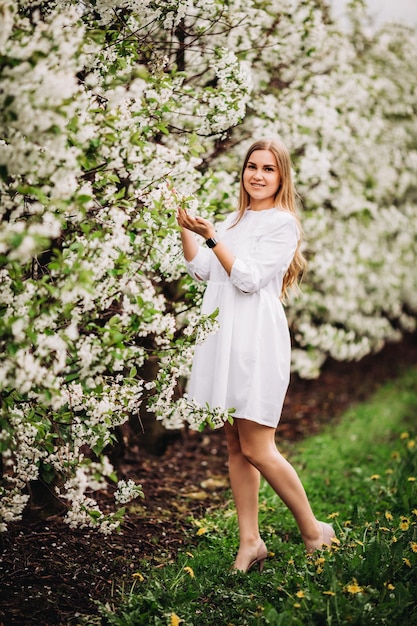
[204,228]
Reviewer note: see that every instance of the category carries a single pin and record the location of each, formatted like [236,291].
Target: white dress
[245,365]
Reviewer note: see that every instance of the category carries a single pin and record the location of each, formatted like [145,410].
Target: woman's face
[261,179]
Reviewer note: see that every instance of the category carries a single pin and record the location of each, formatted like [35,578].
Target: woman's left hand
[197,225]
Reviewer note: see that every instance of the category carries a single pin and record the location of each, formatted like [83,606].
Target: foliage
[90,263]
[105,106]
[369,575]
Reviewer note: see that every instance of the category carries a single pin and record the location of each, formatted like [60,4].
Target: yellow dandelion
[174,620]
[413,546]
[375,477]
[347,523]
[189,571]
[389,471]
[333,515]
[394,539]
[384,528]
[411,444]
[354,587]
[405,523]
[414,511]
[388,516]
[389,586]
[190,554]
[407,562]
[411,479]
[404,435]
[395,455]
[297,605]
[138,576]
[300,594]
[201,531]
[291,562]
[320,560]
[329,593]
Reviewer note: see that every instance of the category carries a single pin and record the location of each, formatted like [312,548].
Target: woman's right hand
[197,225]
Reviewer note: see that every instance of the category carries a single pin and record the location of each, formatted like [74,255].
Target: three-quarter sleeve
[199,267]
[271,255]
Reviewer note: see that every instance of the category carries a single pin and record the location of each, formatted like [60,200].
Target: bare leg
[244,480]
[257,445]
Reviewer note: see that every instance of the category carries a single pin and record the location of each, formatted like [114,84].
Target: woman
[250,262]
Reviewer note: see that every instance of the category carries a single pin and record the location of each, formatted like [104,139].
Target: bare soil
[51,575]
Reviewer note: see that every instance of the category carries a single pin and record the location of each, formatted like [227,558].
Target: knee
[237,451]
[237,454]
[248,450]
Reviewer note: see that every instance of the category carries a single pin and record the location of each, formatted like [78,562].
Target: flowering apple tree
[97,118]
[113,113]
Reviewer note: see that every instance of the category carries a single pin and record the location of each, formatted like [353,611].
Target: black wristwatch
[211,242]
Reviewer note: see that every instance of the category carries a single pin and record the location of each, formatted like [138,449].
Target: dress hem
[252,419]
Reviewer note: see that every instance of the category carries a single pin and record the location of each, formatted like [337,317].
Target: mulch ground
[51,575]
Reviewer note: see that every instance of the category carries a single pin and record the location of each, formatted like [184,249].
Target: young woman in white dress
[249,263]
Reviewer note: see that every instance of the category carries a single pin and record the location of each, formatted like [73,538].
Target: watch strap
[210,242]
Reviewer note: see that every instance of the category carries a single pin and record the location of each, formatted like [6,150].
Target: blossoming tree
[115,111]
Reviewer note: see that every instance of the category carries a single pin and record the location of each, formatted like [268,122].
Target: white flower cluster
[84,511]
[127,491]
[174,412]
[218,112]
[185,411]
[199,327]
[12,504]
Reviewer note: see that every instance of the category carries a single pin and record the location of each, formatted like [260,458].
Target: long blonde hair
[284,200]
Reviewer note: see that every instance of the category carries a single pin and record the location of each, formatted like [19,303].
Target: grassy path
[360,473]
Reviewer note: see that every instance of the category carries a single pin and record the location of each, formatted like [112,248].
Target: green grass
[360,474]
